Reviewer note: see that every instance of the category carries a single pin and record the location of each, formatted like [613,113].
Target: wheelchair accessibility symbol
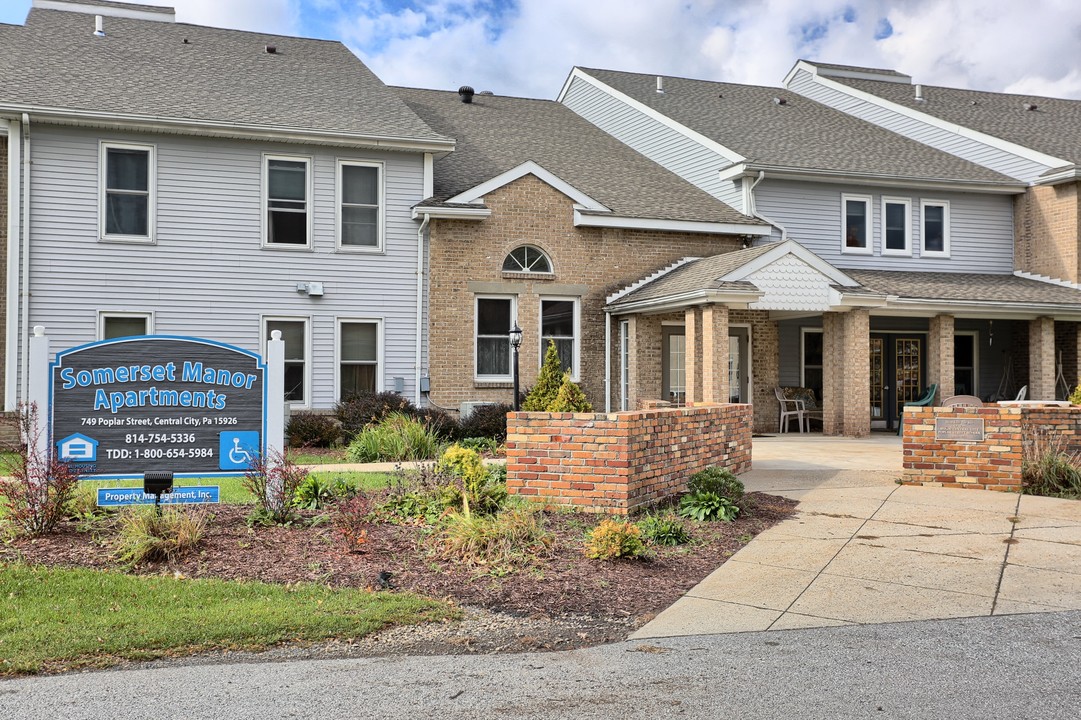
[237,449]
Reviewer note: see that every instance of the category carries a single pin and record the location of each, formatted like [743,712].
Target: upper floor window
[935,238]
[896,226]
[127,192]
[856,224]
[360,201]
[118,325]
[285,200]
[527,259]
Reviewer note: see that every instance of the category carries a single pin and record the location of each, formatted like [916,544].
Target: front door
[896,375]
[739,365]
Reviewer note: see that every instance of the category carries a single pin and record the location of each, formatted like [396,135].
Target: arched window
[527,259]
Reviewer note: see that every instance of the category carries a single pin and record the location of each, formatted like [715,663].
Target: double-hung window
[856,224]
[896,226]
[360,206]
[559,325]
[935,227]
[127,192]
[494,318]
[295,334]
[118,325]
[358,357]
[286,201]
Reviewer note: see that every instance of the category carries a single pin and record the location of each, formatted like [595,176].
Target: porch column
[1041,359]
[1074,378]
[632,363]
[832,368]
[857,373]
[940,354]
[692,344]
[715,354]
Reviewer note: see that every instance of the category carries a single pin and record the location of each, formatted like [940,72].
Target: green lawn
[53,619]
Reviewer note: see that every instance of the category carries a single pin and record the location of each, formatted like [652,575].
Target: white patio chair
[789,408]
[1022,394]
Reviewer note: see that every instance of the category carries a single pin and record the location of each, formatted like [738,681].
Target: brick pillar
[633,392]
[1041,359]
[692,330]
[715,354]
[832,367]
[1075,379]
[856,373]
[940,354]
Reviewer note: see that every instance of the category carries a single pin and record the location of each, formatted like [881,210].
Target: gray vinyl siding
[207,274]
[969,149]
[659,142]
[981,226]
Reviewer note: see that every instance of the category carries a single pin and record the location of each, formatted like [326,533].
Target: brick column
[692,333]
[1074,381]
[632,363]
[1041,359]
[940,355]
[857,373]
[715,354]
[832,367]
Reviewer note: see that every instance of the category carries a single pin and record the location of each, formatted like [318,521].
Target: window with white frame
[856,224]
[360,203]
[527,259]
[896,226]
[295,335]
[935,227]
[118,325]
[559,325]
[495,317]
[624,364]
[811,352]
[358,357]
[127,192]
[285,200]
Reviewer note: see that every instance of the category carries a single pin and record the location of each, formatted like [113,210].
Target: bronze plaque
[963,429]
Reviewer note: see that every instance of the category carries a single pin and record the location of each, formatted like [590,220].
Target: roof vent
[99,26]
[780,100]
[271,49]
[1030,106]
[488,93]
[919,93]
[466,94]
[660,84]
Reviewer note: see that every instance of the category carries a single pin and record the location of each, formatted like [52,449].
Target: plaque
[962,429]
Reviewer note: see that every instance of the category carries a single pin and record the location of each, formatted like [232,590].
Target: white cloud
[271,16]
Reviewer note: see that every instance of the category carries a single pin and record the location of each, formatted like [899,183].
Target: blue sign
[116,497]
[237,449]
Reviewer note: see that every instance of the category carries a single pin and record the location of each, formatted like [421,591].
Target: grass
[58,619]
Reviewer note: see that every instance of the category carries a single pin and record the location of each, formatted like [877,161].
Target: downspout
[14,234]
[421,234]
[25,239]
[754,210]
[607,361]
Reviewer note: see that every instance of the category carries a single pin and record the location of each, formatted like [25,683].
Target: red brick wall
[620,462]
[994,463]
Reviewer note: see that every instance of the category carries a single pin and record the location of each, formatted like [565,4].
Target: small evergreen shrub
[613,539]
[570,398]
[488,421]
[1075,396]
[360,410]
[307,429]
[720,481]
[549,380]
[397,438]
[707,506]
[145,535]
[664,529]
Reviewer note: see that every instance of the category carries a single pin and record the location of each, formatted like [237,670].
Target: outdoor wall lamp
[515,343]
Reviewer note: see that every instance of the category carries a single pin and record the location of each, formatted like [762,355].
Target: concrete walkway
[862,549]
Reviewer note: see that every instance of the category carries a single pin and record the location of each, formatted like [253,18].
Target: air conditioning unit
[466,409]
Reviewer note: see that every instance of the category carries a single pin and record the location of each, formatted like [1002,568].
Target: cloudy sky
[527,47]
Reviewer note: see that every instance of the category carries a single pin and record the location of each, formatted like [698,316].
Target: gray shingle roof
[800,134]
[144,68]
[495,134]
[855,68]
[966,287]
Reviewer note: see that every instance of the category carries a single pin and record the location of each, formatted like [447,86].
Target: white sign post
[275,415]
[37,400]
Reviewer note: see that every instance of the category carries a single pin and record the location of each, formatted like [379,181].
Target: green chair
[927,399]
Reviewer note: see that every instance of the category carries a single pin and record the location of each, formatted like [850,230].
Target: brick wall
[1046,233]
[621,462]
[596,260]
[993,463]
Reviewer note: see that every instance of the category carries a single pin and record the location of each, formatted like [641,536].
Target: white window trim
[868,234]
[509,377]
[152,192]
[379,351]
[551,266]
[945,205]
[575,355]
[380,214]
[624,362]
[907,202]
[265,200]
[103,314]
[803,353]
[264,337]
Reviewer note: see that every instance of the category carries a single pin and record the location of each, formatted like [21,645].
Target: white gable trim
[1047,279]
[476,194]
[157,14]
[690,226]
[965,132]
[789,247]
[645,281]
[578,73]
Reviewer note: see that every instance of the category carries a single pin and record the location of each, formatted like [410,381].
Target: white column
[275,411]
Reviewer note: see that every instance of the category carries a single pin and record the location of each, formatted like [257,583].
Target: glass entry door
[673,365]
[739,365]
[896,375]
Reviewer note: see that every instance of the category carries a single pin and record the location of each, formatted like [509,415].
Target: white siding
[981,226]
[974,151]
[207,274]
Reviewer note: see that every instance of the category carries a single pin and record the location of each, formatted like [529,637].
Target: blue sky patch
[884,29]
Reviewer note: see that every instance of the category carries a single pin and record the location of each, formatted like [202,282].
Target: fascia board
[646,110]
[451,213]
[687,299]
[845,177]
[989,308]
[476,193]
[840,301]
[1069,175]
[690,226]
[790,247]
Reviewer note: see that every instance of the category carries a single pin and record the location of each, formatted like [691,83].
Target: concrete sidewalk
[862,549]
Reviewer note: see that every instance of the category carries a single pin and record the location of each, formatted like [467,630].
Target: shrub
[307,429]
[504,540]
[441,423]
[487,421]
[665,529]
[707,506]
[720,481]
[480,444]
[1049,468]
[273,479]
[147,535]
[570,398]
[476,490]
[35,488]
[398,437]
[548,381]
[1075,396]
[360,410]
[313,493]
[613,539]
[350,520]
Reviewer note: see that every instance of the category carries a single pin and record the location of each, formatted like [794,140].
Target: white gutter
[451,213]
[420,307]
[607,361]
[690,299]
[754,210]
[689,226]
[25,295]
[11,326]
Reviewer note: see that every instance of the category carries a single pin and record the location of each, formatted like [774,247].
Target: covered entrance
[674,359]
[897,374]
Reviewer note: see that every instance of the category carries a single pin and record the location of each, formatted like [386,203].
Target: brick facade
[846,369]
[1042,361]
[467,257]
[622,462]
[1046,231]
[940,360]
